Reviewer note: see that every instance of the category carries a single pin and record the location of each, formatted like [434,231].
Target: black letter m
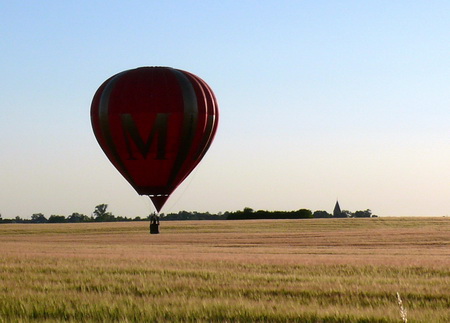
[159,128]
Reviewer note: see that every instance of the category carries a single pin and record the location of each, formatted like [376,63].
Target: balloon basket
[154,228]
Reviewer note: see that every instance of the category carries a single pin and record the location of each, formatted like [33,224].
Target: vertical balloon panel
[154,124]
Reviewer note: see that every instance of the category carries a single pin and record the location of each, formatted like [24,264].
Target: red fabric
[154,124]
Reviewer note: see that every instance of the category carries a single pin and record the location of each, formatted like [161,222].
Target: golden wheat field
[315,270]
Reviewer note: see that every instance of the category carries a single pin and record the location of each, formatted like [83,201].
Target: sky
[319,101]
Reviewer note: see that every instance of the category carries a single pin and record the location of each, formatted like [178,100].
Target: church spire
[337,210]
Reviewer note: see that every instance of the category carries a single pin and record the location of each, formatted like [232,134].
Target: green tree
[363,214]
[38,218]
[304,214]
[321,214]
[57,219]
[5,220]
[77,217]
[101,215]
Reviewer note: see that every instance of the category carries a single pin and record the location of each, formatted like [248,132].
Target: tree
[38,218]
[77,217]
[363,214]
[100,210]
[5,220]
[57,219]
[101,215]
[321,214]
[303,214]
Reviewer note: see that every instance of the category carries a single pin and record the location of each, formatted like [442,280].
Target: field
[315,270]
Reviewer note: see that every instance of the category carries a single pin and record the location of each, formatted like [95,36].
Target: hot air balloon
[154,124]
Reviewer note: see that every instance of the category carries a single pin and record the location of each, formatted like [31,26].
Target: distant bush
[249,214]
[57,219]
[322,214]
[363,214]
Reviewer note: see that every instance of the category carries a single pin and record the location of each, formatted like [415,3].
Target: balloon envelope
[154,124]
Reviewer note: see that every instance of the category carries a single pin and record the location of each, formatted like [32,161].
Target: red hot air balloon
[154,124]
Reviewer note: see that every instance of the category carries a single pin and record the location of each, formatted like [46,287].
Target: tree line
[249,213]
[100,214]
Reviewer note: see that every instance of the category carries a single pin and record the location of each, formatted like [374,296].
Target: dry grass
[318,270]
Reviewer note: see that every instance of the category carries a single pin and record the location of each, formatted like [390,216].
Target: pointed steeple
[337,210]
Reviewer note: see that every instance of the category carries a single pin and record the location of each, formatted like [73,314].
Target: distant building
[337,213]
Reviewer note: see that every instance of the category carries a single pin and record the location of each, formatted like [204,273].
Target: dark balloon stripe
[190,119]
[103,114]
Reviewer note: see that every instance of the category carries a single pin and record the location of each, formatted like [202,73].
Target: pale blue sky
[319,100]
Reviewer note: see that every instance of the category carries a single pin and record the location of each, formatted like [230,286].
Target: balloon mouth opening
[158,200]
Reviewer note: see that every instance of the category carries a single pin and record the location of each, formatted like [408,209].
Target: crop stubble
[327,270]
